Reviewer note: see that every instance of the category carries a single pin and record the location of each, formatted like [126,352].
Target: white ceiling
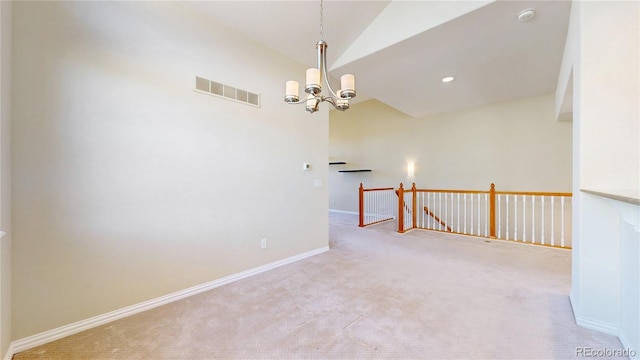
[399,51]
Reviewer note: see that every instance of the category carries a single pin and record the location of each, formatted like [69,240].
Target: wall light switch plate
[306,166]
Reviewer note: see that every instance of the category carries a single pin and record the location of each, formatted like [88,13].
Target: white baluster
[472,208]
[422,212]
[533,219]
[379,212]
[562,219]
[426,216]
[524,218]
[515,220]
[465,213]
[458,213]
[428,207]
[439,210]
[452,206]
[446,211]
[542,229]
[506,232]
[553,221]
[486,215]
[499,219]
[410,211]
[375,206]
[478,233]
[431,208]
[367,204]
[387,208]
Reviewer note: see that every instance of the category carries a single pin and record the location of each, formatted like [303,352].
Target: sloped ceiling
[400,50]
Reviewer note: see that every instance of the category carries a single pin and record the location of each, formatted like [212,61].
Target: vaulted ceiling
[400,50]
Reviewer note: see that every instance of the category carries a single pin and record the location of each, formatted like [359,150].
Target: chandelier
[313,87]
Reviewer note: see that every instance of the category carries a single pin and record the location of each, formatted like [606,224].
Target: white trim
[598,326]
[626,344]
[82,325]
[343,212]
[9,354]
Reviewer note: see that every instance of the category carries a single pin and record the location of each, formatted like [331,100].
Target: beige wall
[518,145]
[5,175]
[128,185]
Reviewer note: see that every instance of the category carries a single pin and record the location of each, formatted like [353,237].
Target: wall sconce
[410,169]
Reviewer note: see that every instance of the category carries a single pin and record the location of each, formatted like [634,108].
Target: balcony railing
[542,218]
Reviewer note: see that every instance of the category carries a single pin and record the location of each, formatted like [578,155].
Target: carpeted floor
[376,295]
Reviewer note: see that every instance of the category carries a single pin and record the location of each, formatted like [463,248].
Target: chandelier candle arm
[313,85]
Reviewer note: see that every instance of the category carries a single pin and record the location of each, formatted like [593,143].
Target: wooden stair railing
[430,213]
[406,207]
[372,216]
[541,218]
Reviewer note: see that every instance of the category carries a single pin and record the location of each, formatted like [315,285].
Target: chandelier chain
[321,19]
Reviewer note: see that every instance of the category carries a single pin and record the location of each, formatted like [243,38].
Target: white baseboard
[626,344]
[343,212]
[9,354]
[74,328]
[598,326]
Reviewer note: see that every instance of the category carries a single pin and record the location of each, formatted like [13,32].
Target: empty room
[319,179]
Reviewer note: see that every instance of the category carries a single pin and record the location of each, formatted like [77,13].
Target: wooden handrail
[430,213]
[379,189]
[534,193]
[453,191]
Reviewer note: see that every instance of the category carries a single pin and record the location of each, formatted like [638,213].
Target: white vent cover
[229,92]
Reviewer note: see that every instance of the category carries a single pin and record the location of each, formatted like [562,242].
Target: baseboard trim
[598,326]
[74,328]
[343,212]
[626,344]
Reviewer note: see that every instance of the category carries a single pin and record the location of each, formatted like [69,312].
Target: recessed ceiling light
[448,79]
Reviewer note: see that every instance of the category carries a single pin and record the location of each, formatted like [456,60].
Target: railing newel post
[361,206]
[413,206]
[400,209]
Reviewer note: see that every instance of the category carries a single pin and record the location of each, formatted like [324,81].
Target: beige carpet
[376,294]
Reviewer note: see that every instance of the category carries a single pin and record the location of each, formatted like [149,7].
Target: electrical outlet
[263,243]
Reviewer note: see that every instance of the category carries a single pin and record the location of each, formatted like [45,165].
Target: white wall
[609,54]
[128,185]
[518,145]
[5,176]
[604,38]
